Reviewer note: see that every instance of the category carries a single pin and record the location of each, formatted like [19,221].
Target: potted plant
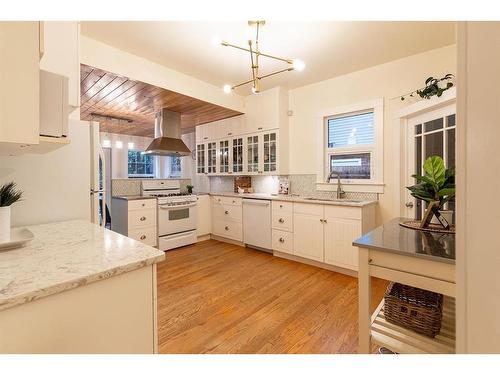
[436,187]
[8,195]
[190,188]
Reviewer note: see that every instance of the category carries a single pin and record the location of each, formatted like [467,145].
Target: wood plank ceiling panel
[125,106]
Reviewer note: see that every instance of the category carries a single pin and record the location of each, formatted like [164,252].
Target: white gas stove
[176,213]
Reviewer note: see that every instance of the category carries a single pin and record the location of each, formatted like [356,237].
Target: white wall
[56,185]
[385,81]
[478,184]
[111,59]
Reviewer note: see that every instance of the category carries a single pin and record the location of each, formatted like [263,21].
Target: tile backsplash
[301,184]
[132,186]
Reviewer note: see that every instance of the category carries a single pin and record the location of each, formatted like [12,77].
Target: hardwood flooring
[215,297]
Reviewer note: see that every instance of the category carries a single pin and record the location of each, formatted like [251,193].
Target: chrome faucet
[340,191]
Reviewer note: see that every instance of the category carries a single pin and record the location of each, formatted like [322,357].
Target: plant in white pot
[436,186]
[8,196]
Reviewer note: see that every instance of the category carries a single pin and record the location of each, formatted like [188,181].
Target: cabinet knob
[205,137]
[229,133]
[234,201]
[281,220]
[321,220]
[259,128]
[142,218]
[226,212]
[143,237]
[325,221]
[226,228]
[282,240]
[143,204]
[281,206]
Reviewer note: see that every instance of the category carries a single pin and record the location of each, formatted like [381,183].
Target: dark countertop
[131,197]
[393,238]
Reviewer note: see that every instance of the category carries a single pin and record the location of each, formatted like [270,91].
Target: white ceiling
[329,49]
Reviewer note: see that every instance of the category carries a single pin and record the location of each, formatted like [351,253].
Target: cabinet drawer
[282,241]
[282,221]
[308,209]
[228,229]
[142,218]
[146,235]
[280,208]
[228,200]
[142,204]
[228,212]
[343,212]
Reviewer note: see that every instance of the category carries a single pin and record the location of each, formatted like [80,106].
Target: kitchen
[217,217]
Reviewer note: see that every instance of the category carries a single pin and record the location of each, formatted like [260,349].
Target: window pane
[450,162]
[418,155]
[450,120]
[418,129]
[434,125]
[351,166]
[434,144]
[350,130]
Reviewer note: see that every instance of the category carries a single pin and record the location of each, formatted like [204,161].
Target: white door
[339,234]
[428,134]
[308,233]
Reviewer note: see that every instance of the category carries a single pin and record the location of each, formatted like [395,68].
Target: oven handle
[165,207]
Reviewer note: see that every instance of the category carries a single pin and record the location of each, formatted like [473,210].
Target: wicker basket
[414,308]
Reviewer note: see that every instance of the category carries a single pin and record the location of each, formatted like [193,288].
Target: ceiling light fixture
[253,47]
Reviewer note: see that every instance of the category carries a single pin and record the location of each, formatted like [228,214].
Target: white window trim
[376,183]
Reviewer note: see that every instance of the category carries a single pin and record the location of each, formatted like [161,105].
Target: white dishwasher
[257,224]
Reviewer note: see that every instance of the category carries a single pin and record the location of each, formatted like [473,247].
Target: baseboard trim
[204,237]
[315,263]
[227,240]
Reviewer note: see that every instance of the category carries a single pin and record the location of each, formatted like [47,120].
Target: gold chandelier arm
[276,72]
[253,66]
[241,84]
[227,44]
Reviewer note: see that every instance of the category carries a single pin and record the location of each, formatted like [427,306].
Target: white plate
[18,237]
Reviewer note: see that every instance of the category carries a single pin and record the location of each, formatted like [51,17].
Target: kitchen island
[425,260]
[78,288]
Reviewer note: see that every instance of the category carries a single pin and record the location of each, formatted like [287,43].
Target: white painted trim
[376,184]
[425,105]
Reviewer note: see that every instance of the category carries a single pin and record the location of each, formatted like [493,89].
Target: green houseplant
[8,196]
[436,185]
[190,188]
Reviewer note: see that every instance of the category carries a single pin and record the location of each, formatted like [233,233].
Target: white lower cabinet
[135,219]
[282,241]
[339,234]
[203,215]
[227,218]
[308,238]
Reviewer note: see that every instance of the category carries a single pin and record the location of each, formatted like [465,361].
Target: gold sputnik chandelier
[255,54]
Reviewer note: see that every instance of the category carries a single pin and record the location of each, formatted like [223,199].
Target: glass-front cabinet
[237,153]
[224,156]
[212,157]
[200,158]
[270,152]
[252,154]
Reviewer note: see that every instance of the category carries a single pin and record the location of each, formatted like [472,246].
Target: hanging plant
[433,87]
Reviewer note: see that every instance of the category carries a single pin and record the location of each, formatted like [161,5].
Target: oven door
[176,219]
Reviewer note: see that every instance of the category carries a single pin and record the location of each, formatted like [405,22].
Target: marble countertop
[295,198]
[67,255]
[131,197]
[393,238]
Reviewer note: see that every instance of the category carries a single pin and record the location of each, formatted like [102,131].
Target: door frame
[402,120]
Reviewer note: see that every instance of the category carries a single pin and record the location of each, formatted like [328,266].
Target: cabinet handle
[259,128]
[226,228]
[282,240]
[226,212]
[281,220]
[324,221]
[205,137]
[229,133]
[143,237]
[142,218]
[321,220]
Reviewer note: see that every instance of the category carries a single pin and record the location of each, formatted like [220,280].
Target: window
[350,139]
[140,164]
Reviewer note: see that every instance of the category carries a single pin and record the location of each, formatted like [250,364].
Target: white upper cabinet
[265,110]
[60,46]
[19,85]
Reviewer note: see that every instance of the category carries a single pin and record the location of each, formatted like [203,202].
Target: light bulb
[106,143]
[130,145]
[227,89]
[298,65]
[254,90]
[119,144]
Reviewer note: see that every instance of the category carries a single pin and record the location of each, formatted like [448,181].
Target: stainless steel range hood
[168,140]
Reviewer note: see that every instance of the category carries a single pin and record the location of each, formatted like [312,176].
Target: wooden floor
[214,297]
